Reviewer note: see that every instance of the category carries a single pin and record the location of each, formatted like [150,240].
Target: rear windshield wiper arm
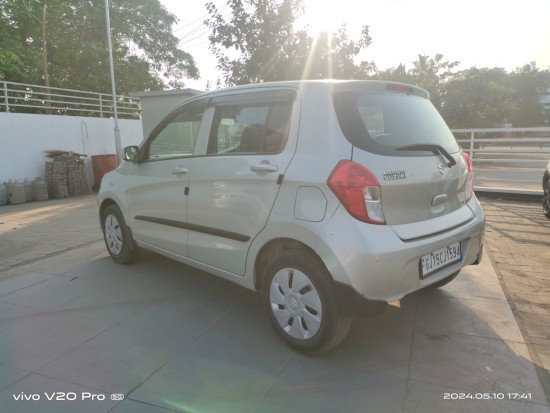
[430,147]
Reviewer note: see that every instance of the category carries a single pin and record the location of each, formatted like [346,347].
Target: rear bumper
[380,266]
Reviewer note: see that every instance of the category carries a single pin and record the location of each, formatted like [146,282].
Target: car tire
[118,238]
[443,282]
[300,302]
[546,196]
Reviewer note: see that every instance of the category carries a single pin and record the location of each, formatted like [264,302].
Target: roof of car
[332,84]
[323,82]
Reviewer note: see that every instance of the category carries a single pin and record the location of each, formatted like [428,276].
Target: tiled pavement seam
[518,243]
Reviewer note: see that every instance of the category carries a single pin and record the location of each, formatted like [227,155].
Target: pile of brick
[66,176]
[76,177]
[56,179]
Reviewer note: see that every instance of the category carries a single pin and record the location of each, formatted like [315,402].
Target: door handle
[264,167]
[180,171]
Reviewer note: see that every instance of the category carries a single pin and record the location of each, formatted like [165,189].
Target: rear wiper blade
[430,147]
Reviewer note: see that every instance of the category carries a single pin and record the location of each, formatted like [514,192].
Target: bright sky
[482,33]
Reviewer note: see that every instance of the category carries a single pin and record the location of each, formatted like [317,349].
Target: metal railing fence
[527,146]
[26,98]
[508,159]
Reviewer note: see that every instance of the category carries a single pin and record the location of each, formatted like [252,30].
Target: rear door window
[257,126]
[381,122]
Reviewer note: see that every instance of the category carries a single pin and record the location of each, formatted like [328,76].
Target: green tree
[478,98]
[528,84]
[395,74]
[475,97]
[332,55]
[486,97]
[430,73]
[10,64]
[433,75]
[258,42]
[145,52]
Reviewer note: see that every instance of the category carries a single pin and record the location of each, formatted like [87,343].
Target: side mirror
[131,153]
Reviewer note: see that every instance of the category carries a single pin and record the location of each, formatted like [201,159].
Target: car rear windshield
[383,122]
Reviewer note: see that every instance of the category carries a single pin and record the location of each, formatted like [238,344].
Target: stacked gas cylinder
[14,192]
[65,177]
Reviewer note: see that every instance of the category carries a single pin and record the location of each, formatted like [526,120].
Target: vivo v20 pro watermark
[60,396]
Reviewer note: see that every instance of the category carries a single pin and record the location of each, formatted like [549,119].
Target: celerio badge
[394,175]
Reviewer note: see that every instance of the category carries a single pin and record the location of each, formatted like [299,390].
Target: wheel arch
[269,251]
[349,302]
[105,204]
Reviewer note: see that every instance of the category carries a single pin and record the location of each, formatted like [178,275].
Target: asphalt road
[511,179]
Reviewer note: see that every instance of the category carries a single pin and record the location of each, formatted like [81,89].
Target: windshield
[383,122]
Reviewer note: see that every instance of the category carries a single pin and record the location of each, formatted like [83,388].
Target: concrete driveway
[168,338]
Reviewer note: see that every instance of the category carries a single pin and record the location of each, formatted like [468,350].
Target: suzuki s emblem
[441,168]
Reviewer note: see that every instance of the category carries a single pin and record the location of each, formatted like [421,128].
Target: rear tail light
[469,187]
[358,190]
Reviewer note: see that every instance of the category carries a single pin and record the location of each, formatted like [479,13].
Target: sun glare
[322,16]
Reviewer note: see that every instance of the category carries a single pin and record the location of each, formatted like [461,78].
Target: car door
[157,201]
[234,186]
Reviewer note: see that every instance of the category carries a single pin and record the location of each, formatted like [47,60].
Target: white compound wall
[25,137]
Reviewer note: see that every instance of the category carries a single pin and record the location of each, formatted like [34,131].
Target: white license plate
[432,262]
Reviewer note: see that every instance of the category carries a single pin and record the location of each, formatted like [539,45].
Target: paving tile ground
[518,242]
[39,229]
[174,339]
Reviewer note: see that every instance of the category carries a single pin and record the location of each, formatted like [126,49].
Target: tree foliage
[144,48]
[259,42]
[430,73]
[486,97]
[529,84]
[478,97]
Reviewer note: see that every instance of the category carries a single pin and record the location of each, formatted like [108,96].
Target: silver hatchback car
[332,198]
